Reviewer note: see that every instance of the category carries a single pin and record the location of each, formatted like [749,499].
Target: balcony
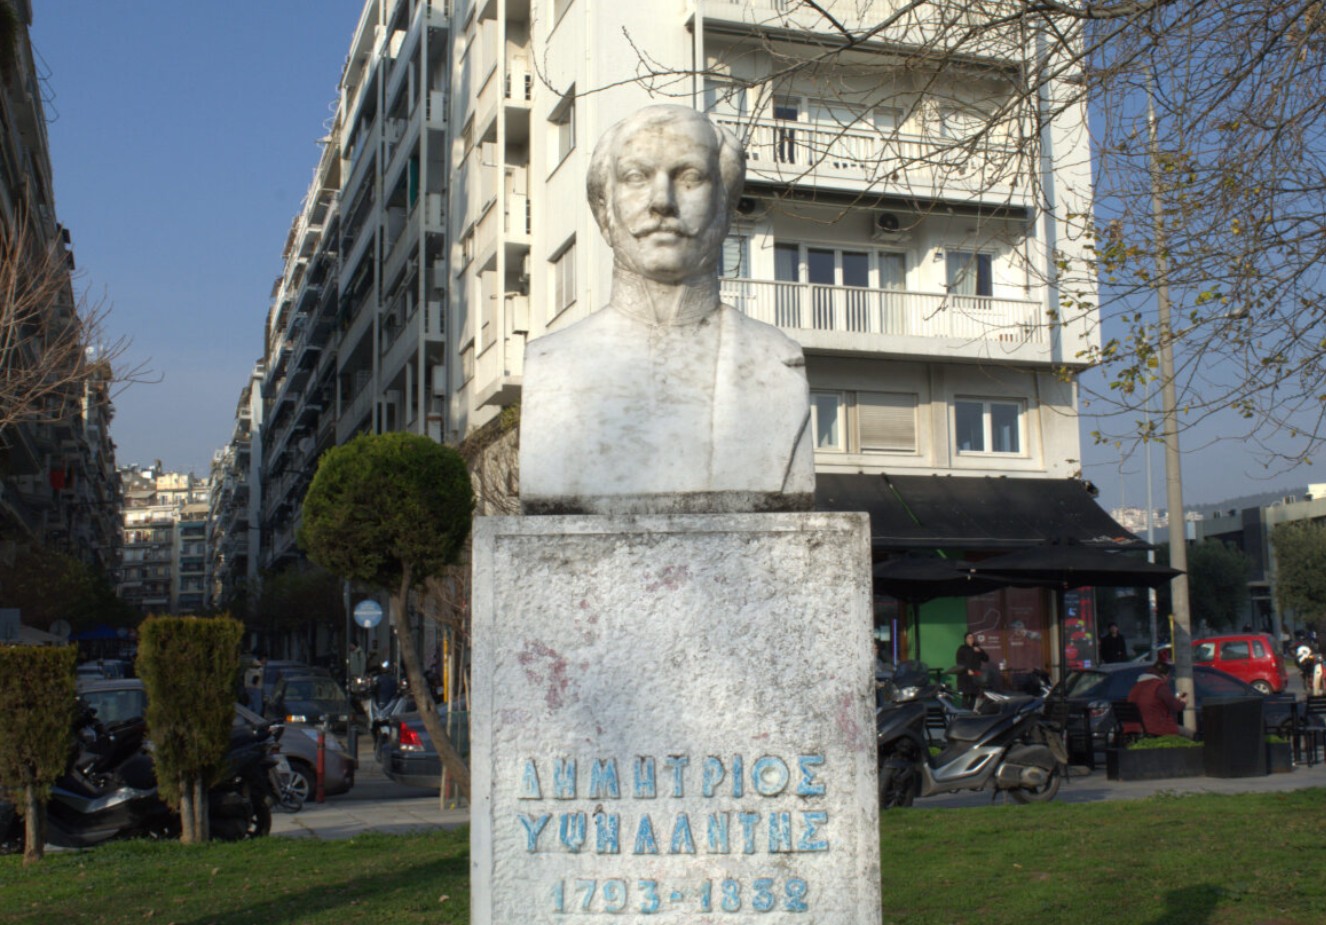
[987,29]
[833,156]
[859,320]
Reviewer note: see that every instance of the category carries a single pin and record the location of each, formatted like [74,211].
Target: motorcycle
[1003,743]
[109,789]
[1313,668]
[240,805]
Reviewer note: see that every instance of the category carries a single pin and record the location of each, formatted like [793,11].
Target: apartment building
[921,296]
[235,493]
[897,222]
[58,486]
[163,563]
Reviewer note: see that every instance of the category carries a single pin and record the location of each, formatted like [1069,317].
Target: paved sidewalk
[377,804]
[1093,787]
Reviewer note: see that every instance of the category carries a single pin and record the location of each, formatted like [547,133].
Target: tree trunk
[201,826]
[423,698]
[34,825]
[188,815]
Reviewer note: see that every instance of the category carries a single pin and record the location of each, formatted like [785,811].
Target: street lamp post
[1181,634]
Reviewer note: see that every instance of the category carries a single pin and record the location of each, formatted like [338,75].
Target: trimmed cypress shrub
[189,667]
[36,712]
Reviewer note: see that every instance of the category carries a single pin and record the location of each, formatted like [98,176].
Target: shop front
[987,555]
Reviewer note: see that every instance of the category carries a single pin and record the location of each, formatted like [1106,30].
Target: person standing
[1113,647]
[971,659]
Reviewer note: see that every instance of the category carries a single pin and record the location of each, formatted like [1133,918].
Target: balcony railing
[832,151]
[808,306]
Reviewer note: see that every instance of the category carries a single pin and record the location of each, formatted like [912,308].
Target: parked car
[1097,688]
[122,700]
[125,701]
[1250,657]
[299,744]
[101,668]
[276,669]
[308,699]
[409,757]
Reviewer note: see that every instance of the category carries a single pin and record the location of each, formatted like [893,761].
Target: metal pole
[1151,599]
[1181,638]
[351,731]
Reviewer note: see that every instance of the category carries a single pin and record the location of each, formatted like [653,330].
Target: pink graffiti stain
[847,724]
[671,577]
[556,679]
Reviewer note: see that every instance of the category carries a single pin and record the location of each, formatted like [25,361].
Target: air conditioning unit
[751,208]
[886,226]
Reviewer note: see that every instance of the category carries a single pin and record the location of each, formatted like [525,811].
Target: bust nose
[661,198]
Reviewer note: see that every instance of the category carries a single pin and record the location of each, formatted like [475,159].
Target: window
[1235,651]
[724,98]
[826,412]
[959,124]
[734,259]
[893,271]
[564,279]
[969,273]
[886,422]
[563,120]
[786,109]
[983,426]
[840,294]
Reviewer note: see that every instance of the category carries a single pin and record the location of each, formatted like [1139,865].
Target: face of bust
[667,204]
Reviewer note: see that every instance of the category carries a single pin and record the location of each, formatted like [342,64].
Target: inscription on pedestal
[672,717]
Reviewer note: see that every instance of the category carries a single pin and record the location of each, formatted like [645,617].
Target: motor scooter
[1003,744]
[109,788]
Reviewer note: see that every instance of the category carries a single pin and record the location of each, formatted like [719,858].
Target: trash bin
[1234,742]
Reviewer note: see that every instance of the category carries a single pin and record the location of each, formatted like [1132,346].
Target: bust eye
[633,176]
[692,177]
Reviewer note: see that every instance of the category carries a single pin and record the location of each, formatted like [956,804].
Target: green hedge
[36,713]
[189,667]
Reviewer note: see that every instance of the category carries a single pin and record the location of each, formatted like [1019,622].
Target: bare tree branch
[52,342]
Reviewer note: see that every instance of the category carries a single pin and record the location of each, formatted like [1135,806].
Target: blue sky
[183,138]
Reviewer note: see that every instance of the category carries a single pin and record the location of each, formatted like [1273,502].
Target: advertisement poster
[1010,625]
[1080,628]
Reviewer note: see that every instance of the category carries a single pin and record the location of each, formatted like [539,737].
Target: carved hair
[731,156]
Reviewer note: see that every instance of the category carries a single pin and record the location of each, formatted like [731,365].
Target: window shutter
[887,421]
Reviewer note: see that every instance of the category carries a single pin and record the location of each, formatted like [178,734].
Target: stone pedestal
[673,716]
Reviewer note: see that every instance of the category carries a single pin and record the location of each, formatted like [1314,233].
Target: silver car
[124,699]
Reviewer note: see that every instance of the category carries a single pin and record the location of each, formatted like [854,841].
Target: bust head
[662,184]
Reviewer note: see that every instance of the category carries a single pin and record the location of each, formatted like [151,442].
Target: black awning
[955,512]
[1075,567]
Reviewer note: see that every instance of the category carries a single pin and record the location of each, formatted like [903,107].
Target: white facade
[913,254]
[912,366]
[164,555]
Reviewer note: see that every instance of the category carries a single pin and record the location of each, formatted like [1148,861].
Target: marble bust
[665,400]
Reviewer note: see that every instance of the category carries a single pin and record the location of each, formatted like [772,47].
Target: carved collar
[661,305]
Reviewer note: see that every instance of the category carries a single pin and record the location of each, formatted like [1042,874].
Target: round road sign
[368,614]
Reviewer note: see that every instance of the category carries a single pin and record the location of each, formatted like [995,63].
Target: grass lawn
[1257,859]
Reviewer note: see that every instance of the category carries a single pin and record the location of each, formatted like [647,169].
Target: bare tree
[492,455]
[52,342]
[927,99]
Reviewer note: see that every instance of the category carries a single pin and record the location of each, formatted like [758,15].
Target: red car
[1250,657]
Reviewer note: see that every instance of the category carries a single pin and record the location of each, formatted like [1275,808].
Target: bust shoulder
[763,338]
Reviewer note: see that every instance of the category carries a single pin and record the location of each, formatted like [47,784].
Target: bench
[1312,735]
[1127,722]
